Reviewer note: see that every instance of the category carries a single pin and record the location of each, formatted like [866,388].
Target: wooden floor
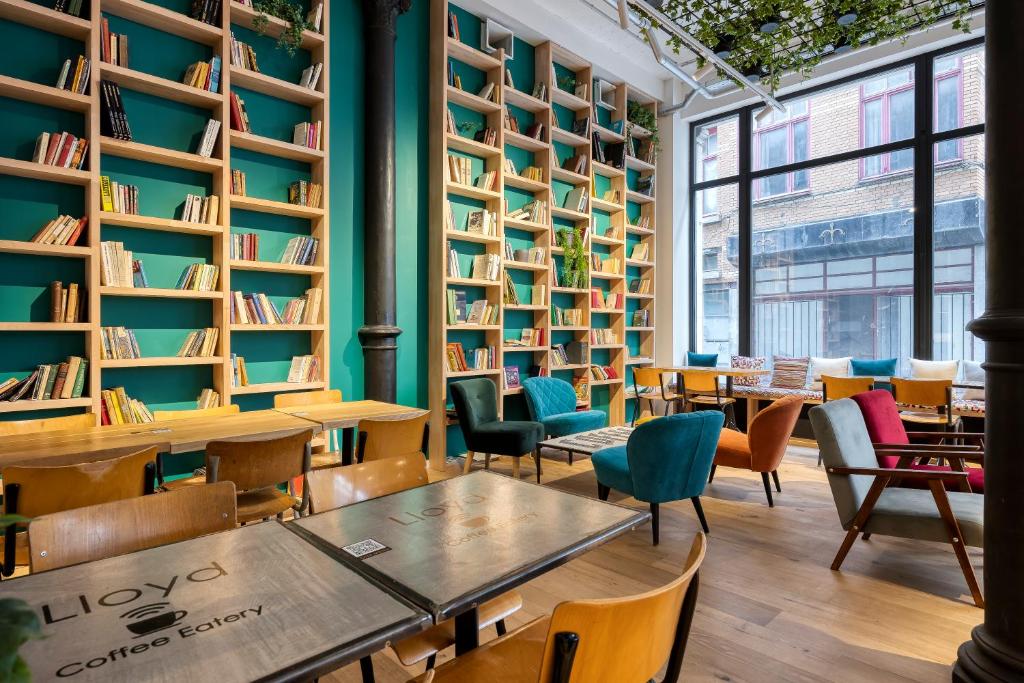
[769,608]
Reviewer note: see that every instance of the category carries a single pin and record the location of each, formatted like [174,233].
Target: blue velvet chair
[552,402]
[701,360]
[664,460]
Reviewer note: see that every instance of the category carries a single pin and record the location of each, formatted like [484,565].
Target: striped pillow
[789,373]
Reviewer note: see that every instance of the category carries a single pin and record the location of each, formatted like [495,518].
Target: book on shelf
[601,300]
[72,7]
[488,180]
[617,126]
[450,126]
[615,154]
[239,116]
[597,147]
[538,295]
[510,377]
[487,136]
[206,11]
[460,170]
[204,75]
[610,264]
[645,185]
[487,92]
[644,223]
[603,335]
[535,130]
[482,222]
[75,79]
[640,251]
[118,343]
[453,79]
[529,255]
[540,91]
[535,211]
[508,79]
[304,369]
[116,407]
[117,197]
[456,306]
[307,135]
[113,46]
[483,358]
[454,268]
[303,310]
[139,278]
[576,199]
[198,209]
[116,265]
[577,352]
[238,182]
[572,317]
[239,376]
[67,304]
[528,336]
[559,358]
[208,398]
[258,309]
[199,277]
[611,232]
[533,173]
[315,17]
[640,285]
[63,230]
[603,372]
[511,123]
[243,56]
[581,127]
[52,382]
[644,149]
[209,138]
[641,318]
[60,149]
[301,251]
[245,246]
[581,90]
[113,117]
[486,267]
[612,196]
[453,26]
[509,167]
[577,164]
[582,388]
[510,295]
[482,312]
[199,343]
[310,76]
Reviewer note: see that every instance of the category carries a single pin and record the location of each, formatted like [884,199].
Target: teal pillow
[701,360]
[885,367]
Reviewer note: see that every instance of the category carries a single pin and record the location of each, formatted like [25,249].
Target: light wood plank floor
[769,607]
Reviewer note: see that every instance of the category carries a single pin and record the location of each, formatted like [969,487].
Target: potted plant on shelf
[637,115]
[18,624]
[292,13]
[575,266]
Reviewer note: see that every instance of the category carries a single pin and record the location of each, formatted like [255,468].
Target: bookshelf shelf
[568,99]
[127,220]
[639,132]
[525,349]
[608,311]
[471,101]
[527,226]
[638,164]
[164,19]
[569,328]
[562,212]
[568,137]
[524,265]
[473,282]
[274,387]
[525,307]
[568,176]
[639,361]
[275,87]
[473,373]
[609,241]
[45,327]
[43,94]
[525,142]
[640,329]
[273,267]
[638,230]
[468,55]
[30,169]
[44,18]
[605,382]
[272,147]
[274,207]
[467,236]
[470,146]
[158,361]
[513,180]
[159,155]
[159,293]
[512,392]
[244,16]
[631,295]
[36,249]
[639,264]
[527,102]
[469,328]
[607,346]
[45,404]
[570,290]
[472,192]
[608,135]
[314,327]
[160,87]
[638,197]
[604,205]
[607,171]
[570,366]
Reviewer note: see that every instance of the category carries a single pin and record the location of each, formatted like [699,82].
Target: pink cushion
[882,418]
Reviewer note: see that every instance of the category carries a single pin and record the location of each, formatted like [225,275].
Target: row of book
[239,375]
[197,209]
[118,343]
[566,316]
[610,264]
[576,199]
[577,164]
[531,172]
[254,309]
[484,358]
[573,353]
[76,79]
[304,310]
[48,382]
[301,251]
[528,336]
[118,265]
[310,76]
[200,343]
[612,196]
[116,407]
[113,117]
[113,46]
[305,193]
[204,75]
[208,139]
[308,134]
[643,149]
[206,11]
[74,7]
[117,197]
[486,267]
[643,222]
[239,116]
[640,251]
[60,149]
[67,304]
[454,269]
[245,246]
[603,372]
[242,55]
[478,221]
[460,170]
[535,130]
[605,301]
[530,255]
[641,318]
[535,211]
[538,293]
[199,277]
[304,369]
[63,230]
[603,335]
[208,398]
[480,312]
[238,183]
[640,285]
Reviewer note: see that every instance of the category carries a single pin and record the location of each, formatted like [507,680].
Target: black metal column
[379,334]
[996,649]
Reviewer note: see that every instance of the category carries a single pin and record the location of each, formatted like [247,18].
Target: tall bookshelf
[157,83]
[609,223]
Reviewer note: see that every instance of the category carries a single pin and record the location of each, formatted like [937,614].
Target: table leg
[347,446]
[730,415]
[467,631]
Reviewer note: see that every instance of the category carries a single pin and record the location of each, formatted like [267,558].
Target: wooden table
[254,603]
[728,373]
[347,414]
[453,544]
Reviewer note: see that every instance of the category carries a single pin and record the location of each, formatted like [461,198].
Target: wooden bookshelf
[275,207]
[43,94]
[127,220]
[548,59]
[36,249]
[159,87]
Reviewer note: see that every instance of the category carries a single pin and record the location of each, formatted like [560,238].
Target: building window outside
[711,257]
[709,171]
[780,139]
[949,110]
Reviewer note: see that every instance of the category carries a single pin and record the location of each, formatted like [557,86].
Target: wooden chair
[647,378]
[387,438]
[619,639]
[35,491]
[167,415]
[67,423]
[835,388]
[326,452]
[929,402]
[340,486]
[99,531]
[701,391]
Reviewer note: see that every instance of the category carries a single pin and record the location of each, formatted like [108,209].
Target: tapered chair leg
[603,491]
[515,466]
[487,461]
[366,668]
[711,477]
[767,489]
[431,661]
[654,522]
[469,462]
[700,514]
[499,627]
[536,461]
[775,478]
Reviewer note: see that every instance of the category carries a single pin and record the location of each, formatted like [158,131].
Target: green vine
[292,13]
[575,265]
[567,83]
[469,128]
[639,115]
[18,624]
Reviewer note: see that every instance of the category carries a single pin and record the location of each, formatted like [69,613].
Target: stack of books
[486,267]
[206,11]
[48,382]
[528,336]
[199,277]
[113,117]
[533,173]
[640,285]
[307,135]
[239,116]
[208,398]
[577,163]
[600,300]
[534,212]
[603,335]
[305,193]
[454,269]
[559,358]
[199,343]
[311,75]
[117,343]
[453,26]
[640,251]
[609,264]
[301,251]
[238,183]
[67,305]
[209,138]
[113,46]
[487,136]
[253,309]
[60,149]
[603,372]
[203,75]
[77,79]
[243,56]
[62,230]
[201,209]
[304,369]
[641,318]
[566,316]
[118,198]
[540,91]
[305,310]
[645,185]
[239,377]
[118,408]
[576,199]
[74,8]
[117,265]
[245,246]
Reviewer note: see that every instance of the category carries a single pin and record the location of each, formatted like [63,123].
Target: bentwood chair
[326,452]
[66,423]
[868,503]
[386,438]
[626,640]
[762,447]
[926,402]
[99,531]
[340,486]
[701,391]
[835,388]
[648,386]
[33,491]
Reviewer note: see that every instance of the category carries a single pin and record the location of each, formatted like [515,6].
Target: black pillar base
[380,356]
[980,660]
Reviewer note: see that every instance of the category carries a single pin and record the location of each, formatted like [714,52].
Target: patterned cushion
[969,406]
[789,373]
[775,393]
[747,363]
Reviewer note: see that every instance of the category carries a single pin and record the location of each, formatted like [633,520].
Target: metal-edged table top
[589,442]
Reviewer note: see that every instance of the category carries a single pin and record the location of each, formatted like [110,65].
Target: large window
[717,275]
[780,139]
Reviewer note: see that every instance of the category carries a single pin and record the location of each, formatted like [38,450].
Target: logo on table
[455,510]
[147,619]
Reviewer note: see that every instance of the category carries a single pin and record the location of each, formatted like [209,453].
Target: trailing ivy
[292,13]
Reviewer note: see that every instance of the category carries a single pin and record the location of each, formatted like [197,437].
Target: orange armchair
[762,447]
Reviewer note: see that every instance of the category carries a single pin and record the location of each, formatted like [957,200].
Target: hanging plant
[292,13]
[575,265]
[469,128]
[771,38]
[18,624]
[639,115]
[567,83]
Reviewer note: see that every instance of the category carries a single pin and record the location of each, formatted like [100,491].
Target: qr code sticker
[364,549]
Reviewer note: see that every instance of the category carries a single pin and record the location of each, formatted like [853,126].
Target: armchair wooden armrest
[938,436]
[923,447]
[901,473]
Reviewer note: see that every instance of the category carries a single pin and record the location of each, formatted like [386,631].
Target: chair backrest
[930,393]
[701,360]
[770,430]
[696,381]
[476,403]
[165,415]
[670,458]
[387,438]
[882,420]
[92,533]
[835,388]
[547,396]
[335,487]
[292,399]
[66,423]
[628,639]
[843,441]
[47,489]
[647,377]
[258,464]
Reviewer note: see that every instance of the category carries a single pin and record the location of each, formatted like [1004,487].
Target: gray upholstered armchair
[867,504]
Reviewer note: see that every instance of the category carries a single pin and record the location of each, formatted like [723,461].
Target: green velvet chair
[476,405]
[552,402]
[664,460]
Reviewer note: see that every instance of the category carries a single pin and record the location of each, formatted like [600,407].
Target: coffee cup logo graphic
[151,618]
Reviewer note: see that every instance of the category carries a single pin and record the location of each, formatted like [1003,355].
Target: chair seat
[733,450]
[711,400]
[261,503]
[612,468]
[507,438]
[515,656]
[321,461]
[441,636]
[911,513]
[574,422]
[916,417]
[177,484]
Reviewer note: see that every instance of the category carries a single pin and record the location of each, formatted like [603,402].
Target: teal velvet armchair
[552,402]
[664,460]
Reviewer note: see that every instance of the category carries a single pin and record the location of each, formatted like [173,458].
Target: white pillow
[833,367]
[933,369]
[972,372]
